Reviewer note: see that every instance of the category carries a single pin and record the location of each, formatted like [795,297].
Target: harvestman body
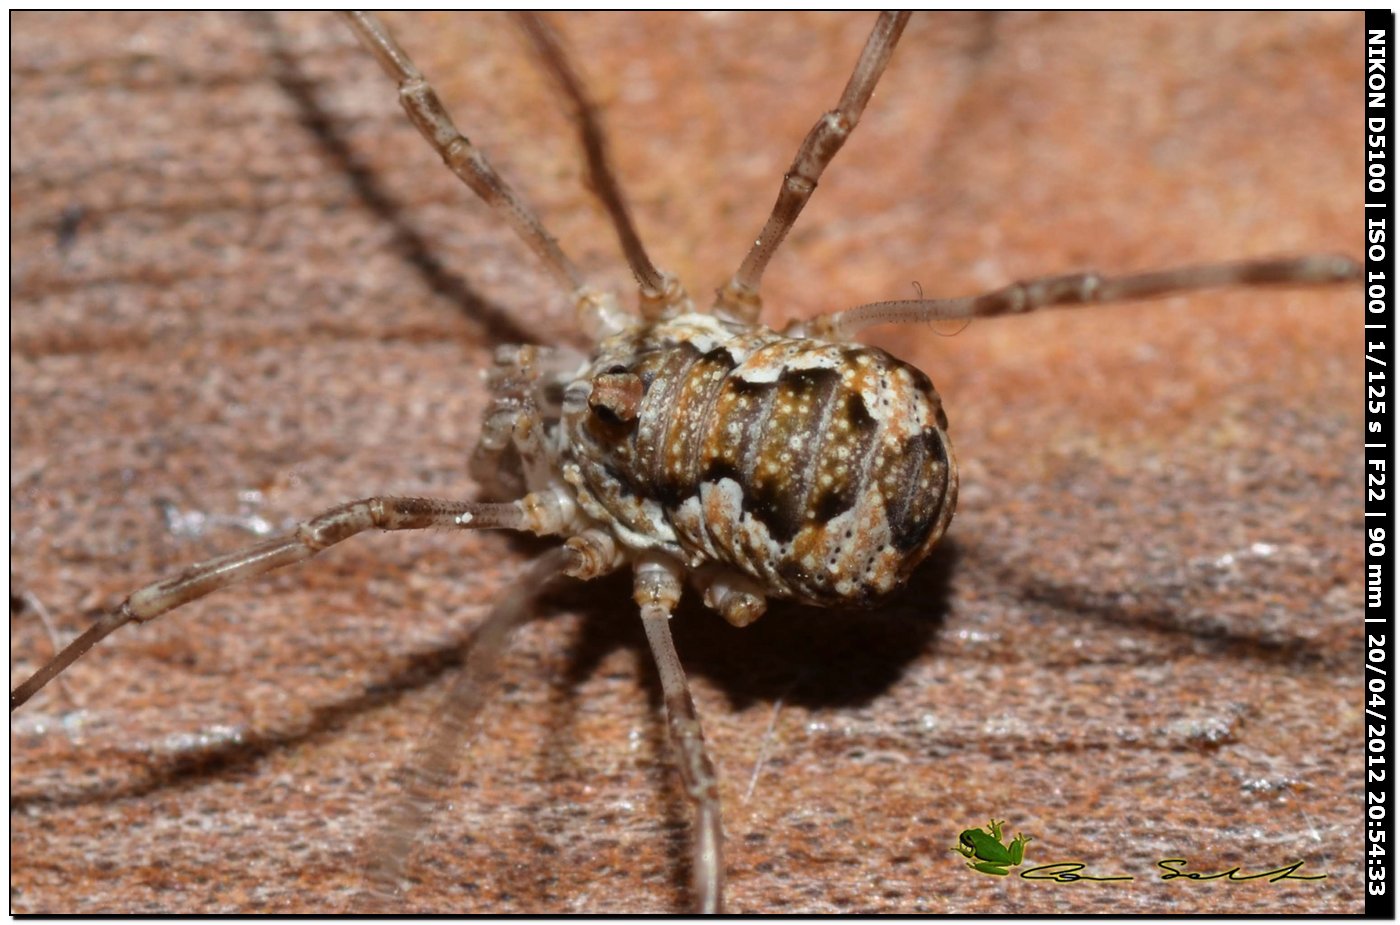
[690,445]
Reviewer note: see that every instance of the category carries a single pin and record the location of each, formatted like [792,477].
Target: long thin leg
[32,601]
[662,294]
[434,761]
[310,537]
[657,590]
[427,113]
[1079,289]
[739,297]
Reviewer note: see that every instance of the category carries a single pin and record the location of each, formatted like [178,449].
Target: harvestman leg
[430,117]
[657,589]
[32,601]
[739,297]
[310,537]
[598,312]
[1080,289]
[662,294]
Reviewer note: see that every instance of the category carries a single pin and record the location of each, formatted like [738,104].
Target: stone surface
[242,290]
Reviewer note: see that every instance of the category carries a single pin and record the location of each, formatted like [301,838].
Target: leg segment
[33,603]
[1078,289]
[657,590]
[662,294]
[739,297]
[312,536]
[434,761]
[426,112]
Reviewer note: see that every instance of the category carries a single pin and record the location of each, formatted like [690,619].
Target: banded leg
[657,589]
[598,311]
[310,537]
[434,761]
[739,297]
[1079,289]
[662,294]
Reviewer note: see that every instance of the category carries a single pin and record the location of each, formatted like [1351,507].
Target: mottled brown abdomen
[821,470]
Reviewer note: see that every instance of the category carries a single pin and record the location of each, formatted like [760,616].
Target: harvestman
[691,444]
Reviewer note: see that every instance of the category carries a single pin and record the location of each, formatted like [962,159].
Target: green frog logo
[986,853]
